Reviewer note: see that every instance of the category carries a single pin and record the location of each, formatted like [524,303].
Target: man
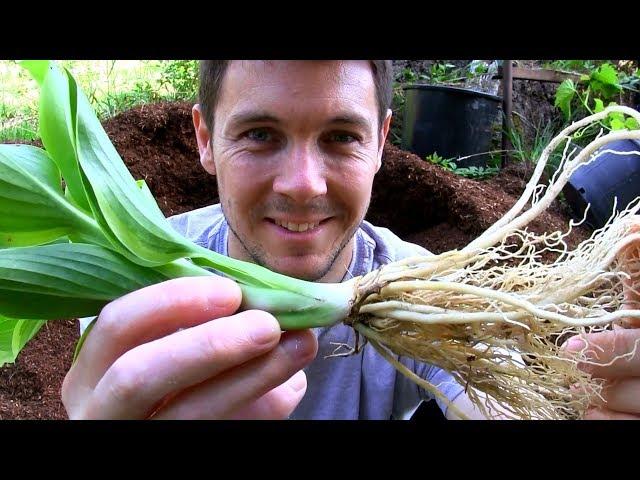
[294,146]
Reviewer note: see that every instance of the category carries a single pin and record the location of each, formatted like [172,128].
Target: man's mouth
[297,226]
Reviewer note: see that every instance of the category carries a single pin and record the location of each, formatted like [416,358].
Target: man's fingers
[153,312]
[606,414]
[622,395]
[610,354]
[230,391]
[135,384]
[276,404]
[630,263]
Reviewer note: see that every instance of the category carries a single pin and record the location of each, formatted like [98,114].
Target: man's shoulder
[198,224]
[388,247]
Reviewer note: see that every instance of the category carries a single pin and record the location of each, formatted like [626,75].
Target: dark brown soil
[157,142]
[439,210]
[30,388]
[419,201]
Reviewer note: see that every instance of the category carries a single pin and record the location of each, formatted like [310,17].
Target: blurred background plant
[478,173]
[529,151]
[112,86]
[181,78]
[600,86]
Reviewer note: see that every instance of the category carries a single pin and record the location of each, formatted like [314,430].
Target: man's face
[295,147]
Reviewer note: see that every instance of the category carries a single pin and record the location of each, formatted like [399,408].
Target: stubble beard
[261,257]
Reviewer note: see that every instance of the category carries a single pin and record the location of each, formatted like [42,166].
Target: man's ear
[384,131]
[203,137]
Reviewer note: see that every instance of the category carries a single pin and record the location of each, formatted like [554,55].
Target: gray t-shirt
[361,386]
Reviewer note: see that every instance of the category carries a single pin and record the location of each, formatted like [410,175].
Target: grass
[112,86]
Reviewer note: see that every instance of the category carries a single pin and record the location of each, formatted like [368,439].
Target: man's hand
[178,350]
[622,376]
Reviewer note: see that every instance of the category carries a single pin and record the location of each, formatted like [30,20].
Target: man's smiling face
[295,147]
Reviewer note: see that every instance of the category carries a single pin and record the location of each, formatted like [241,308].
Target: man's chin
[307,272]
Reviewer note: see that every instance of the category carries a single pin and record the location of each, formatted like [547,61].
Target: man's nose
[301,175]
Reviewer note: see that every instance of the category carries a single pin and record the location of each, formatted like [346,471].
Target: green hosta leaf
[564,95]
[37,68]
[96,177]
[144,188]
[58,110]
[128,216]
[33,209]
[26,239]
[14,335]
[66,280]
[57,126]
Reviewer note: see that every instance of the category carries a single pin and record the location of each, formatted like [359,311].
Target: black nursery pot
[452,122]
[599,182]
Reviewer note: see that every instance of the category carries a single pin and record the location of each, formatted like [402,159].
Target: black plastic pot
[452,122]
[600,181]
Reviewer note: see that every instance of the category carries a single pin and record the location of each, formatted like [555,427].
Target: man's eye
[259,135]
[340,137]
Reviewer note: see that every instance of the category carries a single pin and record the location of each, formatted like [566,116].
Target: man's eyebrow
[252,116]
[351,119]
[258,116]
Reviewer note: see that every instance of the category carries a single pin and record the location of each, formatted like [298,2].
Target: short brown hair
[212,72]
